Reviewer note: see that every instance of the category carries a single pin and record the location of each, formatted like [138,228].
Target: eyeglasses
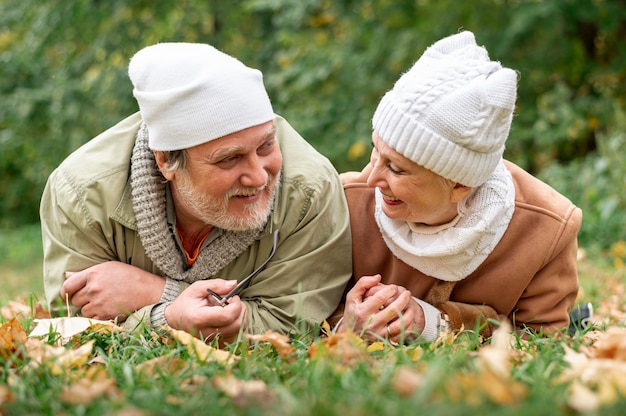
[218,300]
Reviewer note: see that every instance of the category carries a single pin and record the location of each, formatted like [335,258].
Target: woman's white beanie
[191,93]
[451,112]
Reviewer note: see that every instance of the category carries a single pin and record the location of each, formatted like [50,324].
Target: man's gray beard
[214,211]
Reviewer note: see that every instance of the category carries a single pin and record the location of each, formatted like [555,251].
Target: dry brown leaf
[347,347]
[162,365]
[12,336]
[129,411]
[198,348]
[15,309]
[58,358]
[68,327]
[611,344]
[595,382]
[5,394]
[407,381]
[279,341]
[244,392]
[493,377]
[96,383]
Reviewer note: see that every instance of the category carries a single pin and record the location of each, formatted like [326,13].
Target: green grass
[451,377]
[21,263]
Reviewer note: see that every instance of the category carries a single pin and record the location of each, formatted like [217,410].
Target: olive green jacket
[87,218]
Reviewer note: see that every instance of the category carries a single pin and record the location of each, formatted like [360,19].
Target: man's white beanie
[190,93]
[451,112]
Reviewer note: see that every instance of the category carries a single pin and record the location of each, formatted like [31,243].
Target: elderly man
[158,219]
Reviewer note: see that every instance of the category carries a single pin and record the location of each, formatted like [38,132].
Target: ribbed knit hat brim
[451,112]
[189,94]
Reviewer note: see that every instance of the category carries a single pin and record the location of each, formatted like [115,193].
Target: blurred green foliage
[326,64]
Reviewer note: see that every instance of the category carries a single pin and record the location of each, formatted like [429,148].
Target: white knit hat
[190,93]
[451,112]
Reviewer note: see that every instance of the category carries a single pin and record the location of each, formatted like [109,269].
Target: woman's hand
[375,310]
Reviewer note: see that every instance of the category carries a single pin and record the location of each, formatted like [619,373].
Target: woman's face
[411,192]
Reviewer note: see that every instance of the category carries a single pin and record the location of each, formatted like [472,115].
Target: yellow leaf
[202,351]
[376,346]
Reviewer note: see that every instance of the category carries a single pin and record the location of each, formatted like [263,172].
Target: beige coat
[529,279]
[87,218]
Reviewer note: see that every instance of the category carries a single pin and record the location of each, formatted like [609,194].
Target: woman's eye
[393,169]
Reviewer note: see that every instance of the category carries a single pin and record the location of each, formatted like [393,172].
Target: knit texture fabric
[190,93]
[451,112]
[456,249]
[148,198]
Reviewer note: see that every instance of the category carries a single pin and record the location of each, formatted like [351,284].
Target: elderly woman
[446,234]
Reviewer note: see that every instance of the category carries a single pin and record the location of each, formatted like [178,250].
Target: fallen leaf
[5,394]
[15,309]
[278,341]
[347,347]
[162,365]
[58,358]
[201,350]
[611,344]
[244,393]
[12,336]
[407,381]
[96,383]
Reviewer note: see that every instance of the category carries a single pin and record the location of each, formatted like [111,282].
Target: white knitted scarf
[452,251]
[149,204]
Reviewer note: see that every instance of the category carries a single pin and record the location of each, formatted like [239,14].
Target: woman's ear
[162,164]
[459,192]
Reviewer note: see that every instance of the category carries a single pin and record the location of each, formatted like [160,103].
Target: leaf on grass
[12,336]
[347,347]
[611,344]
[5,395]
[244,393]
[58,358]
[171,366]
[199,349]
[407,381]
[95,384]
[68,327]
[493,379]
[15,309]
[279,341]
[598,375]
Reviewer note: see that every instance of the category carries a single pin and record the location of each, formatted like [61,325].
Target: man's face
[229,182]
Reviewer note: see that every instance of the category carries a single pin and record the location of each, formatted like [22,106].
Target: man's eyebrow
[270,134]
[229,151]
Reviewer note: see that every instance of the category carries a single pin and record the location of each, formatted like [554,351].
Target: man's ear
[162,164]
[459,192]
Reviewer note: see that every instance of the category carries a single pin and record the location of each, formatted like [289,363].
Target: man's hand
[193,312]
[111,290]
[374,310]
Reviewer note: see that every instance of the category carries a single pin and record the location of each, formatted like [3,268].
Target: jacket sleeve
[546,301]
[303,283]
[71,240]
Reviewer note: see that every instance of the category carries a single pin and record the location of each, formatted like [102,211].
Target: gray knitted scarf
[149,203]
